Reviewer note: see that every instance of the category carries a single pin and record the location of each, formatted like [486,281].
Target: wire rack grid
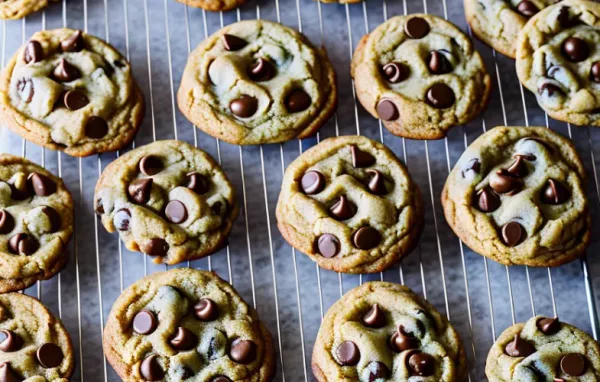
[290,292]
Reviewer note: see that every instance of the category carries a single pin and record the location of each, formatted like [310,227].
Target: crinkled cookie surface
[350,204]
[17,9]
[36,223]
[517,195]
[187,324]
[558,60]
[543,349]
[70,91]
[382,331]
[214,5]
[257,82]
[167,199]
[420,75]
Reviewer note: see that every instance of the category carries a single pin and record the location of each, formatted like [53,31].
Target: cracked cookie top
[186,324]
[558,60]
[36,223]
[543,349]
[257,82]
[167,199]
[350,204]
[420,75]
[498,22]
[17,9]
[34,345]
[214,5]
[70,91]
[517,195]
[382,331]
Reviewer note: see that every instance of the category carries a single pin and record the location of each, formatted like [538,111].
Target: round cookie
[186,324]
[517,196]
[257,82]
[70,91]
[498,22]
[214,5]
[167,199]
[543,349]
[17,9]
[558,60]
[420,75]
[36,223]
[382,331]
[350,204]
[34,345]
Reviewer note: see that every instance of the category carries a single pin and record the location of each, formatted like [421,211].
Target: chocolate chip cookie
[420,75]
[350,204]
[214,5]
[517,195]
[382,331]
[34,345]
[257,82]
[186,324]
[498,22]
[167,199]
[36,223]
[543,349]
[17,9]
[70,91]
[558,60]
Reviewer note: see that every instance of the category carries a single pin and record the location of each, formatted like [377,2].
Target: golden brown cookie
[17,9]
[214,5]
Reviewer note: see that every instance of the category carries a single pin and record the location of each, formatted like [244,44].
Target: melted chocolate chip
[298,101]
[361,158]
[395,72]
[150,165]
[99,207]
[564,18]
[595,72]
[74,43]
[403,340]
[176,212]
[343,209]
[26,89]
[243,351]
[244,107]
[416,28]
[7,374]
[421,364]
[206,310]
[549,88]
[376,183]
[387,110]
[145,322]
[328,245]
[438,63]
[555,192]
[7,222]
[53,218]
[375,317]
[23,244]
[139,190]
[66,72]
[347,354]
[518,347]
[33,52]
[312,182]
[184,340]
[487,200]
[261,70]
[548,326]
[440,96]
[527,8]
[10,341]
[366,238]
[503,183]
[49,355]
[518,168]
[156,248]
[513,234]
[377,371]
[96,128]
[197,183]
[220,378]
[121,219]
[150,369]
[41,184]
[75,99]
[573,364]
[575,49]
[233,43]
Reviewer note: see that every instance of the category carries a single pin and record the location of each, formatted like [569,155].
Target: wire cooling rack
[291,293]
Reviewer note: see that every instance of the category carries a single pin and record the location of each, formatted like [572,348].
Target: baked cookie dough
[382,331]
[70,91]
[36,223]
[420,75]
[186,324]
[214,5]
[34,345]
[543,349]
[517,196]
[350,204]
[257,82]
[17,9]
[558,60]
[498,22]
[167,199]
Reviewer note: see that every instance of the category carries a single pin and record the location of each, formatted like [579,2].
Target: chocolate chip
[376,371]
[7,222]
[519,347]
[421,364]
[139,190]
[487,200]
[156,248]
[233,43]
[66,72]
[347,354]
[387,110]
[145,322]
[49,355]
[402,340]
[343,209]
[96,128]
[53,217]
[375,317]
[184,339]
[219,208]
[440,96]
[23,244]
[197,183]
[395,72]
[555,192]
[41,184]
[176,212]
[206,310]
[10,341]
[20,190]
[119,64]
[416,28]
[518,168]
[527,8]
[75,100]
[243,351]
[150,165]
[33,52]
[575,49]
[99,207]
[361,158]
[220,378]
[438,63]
[150,369]
[595,72]
[548,326]
[564,18]
[74,43]
[376,183]
[329,245]
[549,88]
[312,182]
[7,374]
[366,238]
[121,219]
[503,183]
[513,234]
[25,89]
[298,101]
[244,107]
[261,70]
[573,364]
